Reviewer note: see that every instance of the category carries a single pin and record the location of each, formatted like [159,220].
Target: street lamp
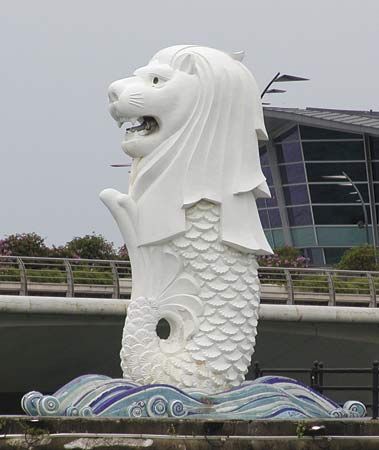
[278,78]
[356,191]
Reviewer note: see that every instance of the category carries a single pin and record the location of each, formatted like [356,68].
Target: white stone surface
[11,304]
[190,220]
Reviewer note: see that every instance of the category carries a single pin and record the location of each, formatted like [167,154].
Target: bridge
[65,277]
[60,318]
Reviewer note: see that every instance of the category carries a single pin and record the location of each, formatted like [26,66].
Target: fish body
[217,352]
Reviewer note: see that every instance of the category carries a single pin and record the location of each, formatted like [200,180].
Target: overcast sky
[58,57]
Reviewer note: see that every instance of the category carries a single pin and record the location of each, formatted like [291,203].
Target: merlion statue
[190,222]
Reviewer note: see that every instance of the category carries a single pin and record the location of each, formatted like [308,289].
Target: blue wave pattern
[264,398]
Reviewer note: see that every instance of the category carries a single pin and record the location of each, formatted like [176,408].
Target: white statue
[193,119]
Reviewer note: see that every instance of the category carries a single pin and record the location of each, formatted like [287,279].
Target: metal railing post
[375,386]
[70,279]
[256,370]
[371,284]
[314,376]
[116,281]
[289,287]
[332,292]
[23,277]
[320,377]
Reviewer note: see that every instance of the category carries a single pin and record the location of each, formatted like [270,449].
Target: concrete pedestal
[90,433]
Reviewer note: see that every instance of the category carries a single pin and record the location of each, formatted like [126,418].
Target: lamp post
[350,182]
[278,78]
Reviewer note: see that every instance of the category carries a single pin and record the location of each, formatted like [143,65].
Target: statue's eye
[155,80]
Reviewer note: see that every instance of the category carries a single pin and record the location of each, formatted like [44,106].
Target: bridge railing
[20,275]
[319,286]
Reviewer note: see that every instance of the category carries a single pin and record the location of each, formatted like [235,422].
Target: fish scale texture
[218,353]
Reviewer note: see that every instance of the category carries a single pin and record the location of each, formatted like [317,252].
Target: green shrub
[90,246]
[358,258]
[9,274]
[46,275]
[311,283]
[94,276]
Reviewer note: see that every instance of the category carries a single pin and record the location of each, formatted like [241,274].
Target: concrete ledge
[80,433]
[303,313]
[12,304]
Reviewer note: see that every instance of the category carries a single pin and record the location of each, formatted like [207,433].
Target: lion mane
[213,156]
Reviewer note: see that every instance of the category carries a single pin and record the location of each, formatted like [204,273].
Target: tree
[90,246]
[23,244]
[358,258]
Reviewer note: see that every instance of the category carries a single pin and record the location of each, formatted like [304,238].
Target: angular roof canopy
[335,119]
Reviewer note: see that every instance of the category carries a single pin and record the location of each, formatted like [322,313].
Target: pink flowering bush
[284,257]
[123,253]
[4,248]
[23,244]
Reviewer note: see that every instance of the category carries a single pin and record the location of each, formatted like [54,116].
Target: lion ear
[188,64]
[238,56]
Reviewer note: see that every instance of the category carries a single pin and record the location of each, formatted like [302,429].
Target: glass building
[315,162]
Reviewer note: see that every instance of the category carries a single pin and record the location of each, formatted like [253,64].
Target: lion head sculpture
[194,117]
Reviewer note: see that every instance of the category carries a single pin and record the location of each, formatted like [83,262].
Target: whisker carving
[136,103]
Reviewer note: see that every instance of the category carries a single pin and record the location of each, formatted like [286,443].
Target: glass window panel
[299,215]
[315,256]
[316,171]
[288,136]
[322,133]
[333,255]
[274,218]
[278,239]
[270,202]
[303,237]
[374,148]
[264,218]
[375,171]
[335,193]
[293,173]
[342,236]
[268,234]
[288,152]
[340,215]
[333,151]
[296,195]
[376,192]
[263,156]
[267,173]
[261,203]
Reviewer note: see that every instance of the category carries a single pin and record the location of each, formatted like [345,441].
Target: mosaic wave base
[270,397]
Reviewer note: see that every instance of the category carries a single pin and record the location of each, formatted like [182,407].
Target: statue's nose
[114,91]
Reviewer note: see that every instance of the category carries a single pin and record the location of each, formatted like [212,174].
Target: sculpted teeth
[141,125]
[130,122]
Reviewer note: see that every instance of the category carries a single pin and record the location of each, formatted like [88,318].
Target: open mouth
[142,125]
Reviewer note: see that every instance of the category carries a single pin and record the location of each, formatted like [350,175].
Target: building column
[279,192]
[371,193]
